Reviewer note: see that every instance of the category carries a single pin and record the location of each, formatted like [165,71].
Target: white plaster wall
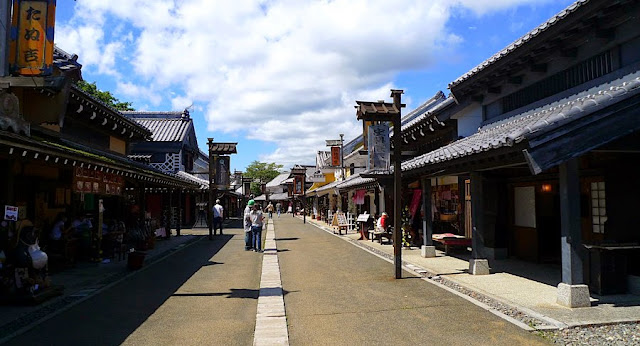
[469,120]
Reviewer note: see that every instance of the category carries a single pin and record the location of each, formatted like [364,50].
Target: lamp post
[385,112]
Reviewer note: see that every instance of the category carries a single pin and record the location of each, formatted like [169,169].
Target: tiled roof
[523,126]
[224,148]
[165,126]
[422,109]
[429,113]
[65,61]
[141,158]
[521,41]
[279,180]
[355,180]
[204,184]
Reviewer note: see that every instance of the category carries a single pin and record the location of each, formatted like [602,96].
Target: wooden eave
[87,107]
[564,36]
[218,148]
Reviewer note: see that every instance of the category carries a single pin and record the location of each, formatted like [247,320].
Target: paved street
[205,294]
[334,294]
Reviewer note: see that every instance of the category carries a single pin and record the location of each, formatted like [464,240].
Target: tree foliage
[261,172]
[104,96]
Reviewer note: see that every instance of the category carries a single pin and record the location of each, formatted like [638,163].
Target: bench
[378,234]
[449,240]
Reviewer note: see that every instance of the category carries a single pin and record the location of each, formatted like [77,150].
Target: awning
[68,153]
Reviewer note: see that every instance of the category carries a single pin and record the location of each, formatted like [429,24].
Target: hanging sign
[379,147]
[335,156]
[32,30]
[10,213]
[222,172]
[297,185]
[92,181]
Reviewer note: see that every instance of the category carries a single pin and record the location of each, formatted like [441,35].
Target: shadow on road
[114,314]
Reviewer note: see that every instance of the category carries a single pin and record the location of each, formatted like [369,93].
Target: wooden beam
[494,90]
[539,68]
[516,80]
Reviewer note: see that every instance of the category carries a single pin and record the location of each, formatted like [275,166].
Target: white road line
[271,319]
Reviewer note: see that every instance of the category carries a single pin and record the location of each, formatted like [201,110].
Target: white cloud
[282,71]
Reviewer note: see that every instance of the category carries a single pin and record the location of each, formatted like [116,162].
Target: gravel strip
[606,335]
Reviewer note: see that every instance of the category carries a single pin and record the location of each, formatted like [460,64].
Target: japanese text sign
[32,37]
[335,156]
[10,213]
[379,147]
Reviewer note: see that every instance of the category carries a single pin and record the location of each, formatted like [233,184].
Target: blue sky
[281,76]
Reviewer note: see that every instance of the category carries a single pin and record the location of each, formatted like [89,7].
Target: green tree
[104,96]
[261,172]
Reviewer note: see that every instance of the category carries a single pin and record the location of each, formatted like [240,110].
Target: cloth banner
[415,202]
[358,197]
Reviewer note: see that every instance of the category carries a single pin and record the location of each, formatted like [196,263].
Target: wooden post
[178,226]
[477,217]
[211,188]
[170,213]
[427,222]
[571,236]
[478,265]
[397,185]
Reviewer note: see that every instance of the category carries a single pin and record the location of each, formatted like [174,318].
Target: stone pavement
[516,289]
[82,281]
[336,294]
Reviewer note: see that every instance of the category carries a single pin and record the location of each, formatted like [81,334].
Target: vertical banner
[32,29]
[247,188]
[335,156]
[297,185]
[379,151]
[222,172]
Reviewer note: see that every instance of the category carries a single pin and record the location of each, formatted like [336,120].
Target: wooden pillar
[427,222]
[478,265]
[477,217]
[571,236]
[571,291]
[397,186]
[179,224]
[170,213]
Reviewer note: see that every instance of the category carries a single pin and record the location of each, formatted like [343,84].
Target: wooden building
[548,170]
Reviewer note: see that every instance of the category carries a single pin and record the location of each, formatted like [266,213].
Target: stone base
[428,251]
[573,296]
[479,266]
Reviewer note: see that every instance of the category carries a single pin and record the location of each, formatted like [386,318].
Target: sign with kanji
[10,213]
[222,172]
[32,29]
[379,147]
[297,185]
[335,156]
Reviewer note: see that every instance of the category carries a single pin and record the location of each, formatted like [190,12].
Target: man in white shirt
[217,216]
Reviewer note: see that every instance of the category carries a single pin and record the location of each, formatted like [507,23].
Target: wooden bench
[378,234]
[449,240]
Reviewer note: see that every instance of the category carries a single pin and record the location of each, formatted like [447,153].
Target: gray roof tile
[515,129]
[165,126]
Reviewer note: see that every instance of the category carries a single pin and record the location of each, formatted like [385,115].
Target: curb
[75,298]
[546,324]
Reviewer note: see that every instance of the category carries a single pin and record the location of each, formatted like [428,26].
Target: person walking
[248,238]
[257,220]
[270,210]
[218,212]
[278,208]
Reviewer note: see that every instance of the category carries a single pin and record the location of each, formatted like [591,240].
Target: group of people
[253,224]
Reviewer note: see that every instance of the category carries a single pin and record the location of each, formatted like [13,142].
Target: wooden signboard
[340,221]
[363,217]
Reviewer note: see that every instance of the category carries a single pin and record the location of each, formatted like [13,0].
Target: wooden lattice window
[598,206]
